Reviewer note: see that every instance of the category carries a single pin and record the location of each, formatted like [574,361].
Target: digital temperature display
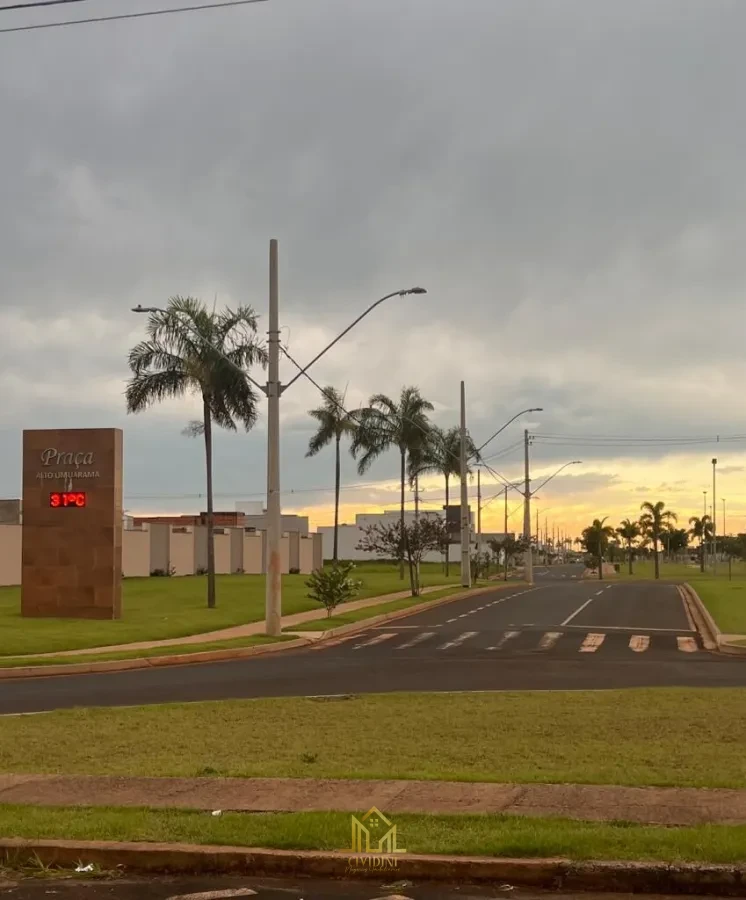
[58,500]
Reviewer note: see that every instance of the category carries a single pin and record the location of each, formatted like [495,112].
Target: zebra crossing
[575,640]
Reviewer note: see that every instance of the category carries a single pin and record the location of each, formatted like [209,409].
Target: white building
[256,517]
[349,536]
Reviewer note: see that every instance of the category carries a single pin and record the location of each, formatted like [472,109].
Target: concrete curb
[232,653]
[712,637]
[553,874]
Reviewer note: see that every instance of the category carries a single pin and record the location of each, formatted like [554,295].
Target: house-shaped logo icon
[373,821]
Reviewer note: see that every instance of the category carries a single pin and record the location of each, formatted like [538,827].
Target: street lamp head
[146,309]
[577,462]
[714,462]
[537,409]
[414,290]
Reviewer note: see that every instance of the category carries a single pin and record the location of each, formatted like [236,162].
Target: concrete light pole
[714,521]
[465,536]
[528,559]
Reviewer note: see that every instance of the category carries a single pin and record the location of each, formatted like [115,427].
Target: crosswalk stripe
[687,644]
[639,643]
[417,639]
[592,642]
[378,639]
[549,639]
[507,636]
[456,642]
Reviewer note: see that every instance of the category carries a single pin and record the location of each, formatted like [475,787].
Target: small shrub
[294,571]
[333,586]
[201,570]
[162,573]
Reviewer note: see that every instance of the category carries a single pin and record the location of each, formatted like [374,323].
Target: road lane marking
[451,620]
[549,639]
[507,636]
[598,593]
[378,639]
[687,644]
[639,643]
[577,611]
[591,643]
[456,642]
[417,639]
[630,628]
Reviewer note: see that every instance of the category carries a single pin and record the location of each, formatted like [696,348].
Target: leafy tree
[595,539]
[387,424]
[653,522]
[441,454]
[190,350]
[677,541]
[733,548]
[334,424]
[629,531]
[426,534]
[333,585]
[702,530]
[510,546]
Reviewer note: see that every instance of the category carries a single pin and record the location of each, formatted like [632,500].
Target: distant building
[10,512]
[255,516]
[221,520]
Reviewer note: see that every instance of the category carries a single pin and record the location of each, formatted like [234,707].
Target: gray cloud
[565,179]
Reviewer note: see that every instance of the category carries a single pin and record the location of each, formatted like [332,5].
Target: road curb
[233,653]
[554,874]
[703,621]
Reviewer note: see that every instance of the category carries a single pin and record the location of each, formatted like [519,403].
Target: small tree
[333,586]
[629,531]
[426,534]
[733,549]
[480,565]
[702,529]
[595,539]
[511,547]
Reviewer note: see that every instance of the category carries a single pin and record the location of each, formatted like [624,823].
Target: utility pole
[505,533]
[714,522]
[704,515]
[537,531]
[465,559]
[725,530]
[529,568]
[273,595]
[479,510]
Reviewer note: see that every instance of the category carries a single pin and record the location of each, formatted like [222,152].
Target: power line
[37,3]
[140,15]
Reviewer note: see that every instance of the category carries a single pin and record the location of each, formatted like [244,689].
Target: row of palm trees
[191,350]
[385,424]
[654,525]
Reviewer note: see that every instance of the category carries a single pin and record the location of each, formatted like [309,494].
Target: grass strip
[473,835]
[666,737]
[11,662]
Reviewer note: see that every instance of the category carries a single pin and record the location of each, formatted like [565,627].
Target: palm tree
[190,350]
[629,531]
[702,529]
[596,539]
[385,424]
[442,455]
[334,423]
[653,523]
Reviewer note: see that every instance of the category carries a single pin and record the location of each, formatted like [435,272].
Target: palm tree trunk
[629,551]
[702,555]
[655,553]
[600,566]
[401,515]
[337,470]
[448,535]
[210,510]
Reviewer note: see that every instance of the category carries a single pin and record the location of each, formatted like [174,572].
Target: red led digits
[65,499]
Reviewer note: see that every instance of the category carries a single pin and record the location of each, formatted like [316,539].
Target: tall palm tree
[442,455]
[385,424]
[653,523]
[702,529]
[334,423]
[596,539]
[190,350]
[629,531]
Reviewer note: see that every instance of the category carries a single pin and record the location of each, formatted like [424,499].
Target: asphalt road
[271,889]
[564,633]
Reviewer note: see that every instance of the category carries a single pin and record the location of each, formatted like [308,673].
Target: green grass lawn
[359,615]
[678,737]
[157,608]
[14,662]
[473,835]
[723,597]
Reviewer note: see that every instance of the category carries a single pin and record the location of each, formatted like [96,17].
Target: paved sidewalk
[659,806]
[238,631]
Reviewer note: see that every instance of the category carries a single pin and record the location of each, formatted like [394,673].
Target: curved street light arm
[575,462]
[523,412]
[415,290]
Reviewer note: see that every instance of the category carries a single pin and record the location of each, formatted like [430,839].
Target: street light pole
[479,510]
[714,521]
[528,560]
[465,561]
[273,561]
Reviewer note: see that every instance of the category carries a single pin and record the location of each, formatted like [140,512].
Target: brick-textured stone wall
[72,558]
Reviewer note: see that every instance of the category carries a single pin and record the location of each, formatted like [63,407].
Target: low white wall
[135,554]
[10,554]
[181,555]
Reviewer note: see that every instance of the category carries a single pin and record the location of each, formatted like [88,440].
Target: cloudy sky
[565,178]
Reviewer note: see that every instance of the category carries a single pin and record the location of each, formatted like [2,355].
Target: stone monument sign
[72,523]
